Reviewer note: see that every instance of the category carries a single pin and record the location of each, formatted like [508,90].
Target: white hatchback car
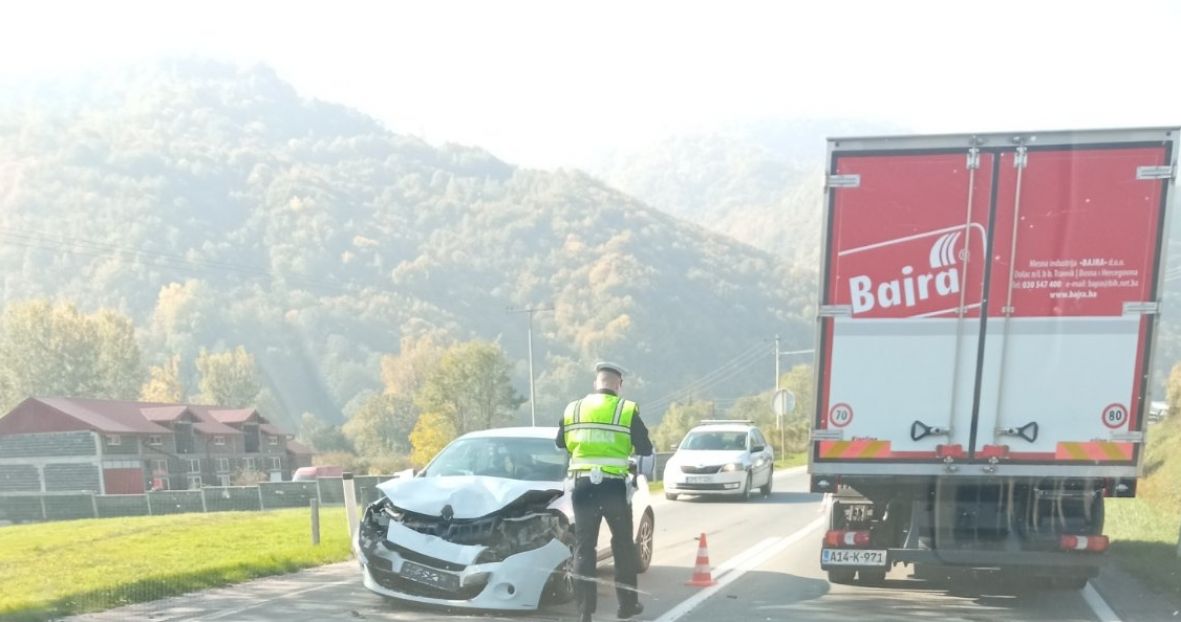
[727,457]
[486,525]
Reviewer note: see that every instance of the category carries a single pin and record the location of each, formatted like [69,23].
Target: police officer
[600,431]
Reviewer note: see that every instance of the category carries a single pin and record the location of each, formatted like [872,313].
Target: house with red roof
[123,447]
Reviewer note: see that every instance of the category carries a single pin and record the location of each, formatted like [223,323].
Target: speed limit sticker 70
[840,415]
[1115,415]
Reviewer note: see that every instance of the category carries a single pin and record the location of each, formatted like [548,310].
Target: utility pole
[776,362]
[532,392]
[779,419]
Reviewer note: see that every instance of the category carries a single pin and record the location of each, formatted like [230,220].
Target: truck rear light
[1093,544]
[838,538]
[950,451]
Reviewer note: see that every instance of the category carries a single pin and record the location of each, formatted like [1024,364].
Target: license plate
[852,557]
[429,576]
[697,479]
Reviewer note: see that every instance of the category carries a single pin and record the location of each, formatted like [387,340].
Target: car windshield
[715,440]
[528,459]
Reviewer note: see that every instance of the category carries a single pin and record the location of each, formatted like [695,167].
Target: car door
[761,458]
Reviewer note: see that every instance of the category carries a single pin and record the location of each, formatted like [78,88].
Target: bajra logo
[910,289]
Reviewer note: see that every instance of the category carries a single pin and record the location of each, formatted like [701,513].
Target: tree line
[433,390]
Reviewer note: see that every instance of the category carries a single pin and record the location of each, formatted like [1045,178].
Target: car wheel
[766,490]
[841,576]
[559,589]
[671,496]
[747,487]
[644,536]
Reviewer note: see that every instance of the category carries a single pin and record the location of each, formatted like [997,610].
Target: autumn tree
[382,425]
[228,378]
[677,421]
[430,435]
[119,368]
[471,387]
[164,383]
[48,349]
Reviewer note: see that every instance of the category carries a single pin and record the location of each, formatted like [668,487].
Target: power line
[723,373]
[755,350]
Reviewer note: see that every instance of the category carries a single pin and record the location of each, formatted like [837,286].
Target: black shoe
[630,611]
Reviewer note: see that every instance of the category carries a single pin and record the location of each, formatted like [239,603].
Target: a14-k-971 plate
[852,557]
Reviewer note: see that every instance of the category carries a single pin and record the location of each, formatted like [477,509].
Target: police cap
[611,367]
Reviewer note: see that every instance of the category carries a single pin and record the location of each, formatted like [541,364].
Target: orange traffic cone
[701,574]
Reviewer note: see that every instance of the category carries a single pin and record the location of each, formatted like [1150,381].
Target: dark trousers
[592,503]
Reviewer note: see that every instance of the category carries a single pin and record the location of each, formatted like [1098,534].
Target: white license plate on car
[697,479]
[852,557]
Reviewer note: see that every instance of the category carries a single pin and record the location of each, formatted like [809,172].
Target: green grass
[1144,542]
[792,460]
[1144,530]
[60,568]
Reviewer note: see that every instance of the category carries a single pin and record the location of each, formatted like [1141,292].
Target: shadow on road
[762,595]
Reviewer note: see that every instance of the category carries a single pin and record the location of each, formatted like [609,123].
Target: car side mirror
[758,448]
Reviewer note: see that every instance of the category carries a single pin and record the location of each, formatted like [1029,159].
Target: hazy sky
[554,83]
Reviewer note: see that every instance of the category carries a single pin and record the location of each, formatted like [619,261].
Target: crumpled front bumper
[516,583]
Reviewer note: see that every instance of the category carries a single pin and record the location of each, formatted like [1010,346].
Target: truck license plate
[429,576]
[851,557]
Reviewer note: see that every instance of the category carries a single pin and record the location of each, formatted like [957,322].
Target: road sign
[783,403]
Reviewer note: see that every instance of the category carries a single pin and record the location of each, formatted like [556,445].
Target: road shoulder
[1131,599]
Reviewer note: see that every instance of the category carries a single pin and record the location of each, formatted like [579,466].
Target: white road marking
[752,558]
[1098,605]
[231,612]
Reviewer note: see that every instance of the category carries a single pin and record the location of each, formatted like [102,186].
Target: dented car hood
[470,496]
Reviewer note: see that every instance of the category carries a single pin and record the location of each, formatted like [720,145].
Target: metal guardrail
[22,507]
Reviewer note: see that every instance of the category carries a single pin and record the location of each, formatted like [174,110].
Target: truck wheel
[841,576]
[872,577]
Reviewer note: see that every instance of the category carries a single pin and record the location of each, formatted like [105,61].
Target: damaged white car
[486,525]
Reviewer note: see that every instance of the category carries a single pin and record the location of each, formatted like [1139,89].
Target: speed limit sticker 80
[840,415]
[1115,415]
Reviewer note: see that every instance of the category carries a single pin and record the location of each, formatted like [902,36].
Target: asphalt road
[765,558]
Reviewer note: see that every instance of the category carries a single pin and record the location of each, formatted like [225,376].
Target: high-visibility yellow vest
[598,433]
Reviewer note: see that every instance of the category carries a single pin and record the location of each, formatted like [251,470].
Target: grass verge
[1144,530]
[62,568]
[1144,542]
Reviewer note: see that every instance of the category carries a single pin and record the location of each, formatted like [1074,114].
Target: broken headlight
[524,533]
